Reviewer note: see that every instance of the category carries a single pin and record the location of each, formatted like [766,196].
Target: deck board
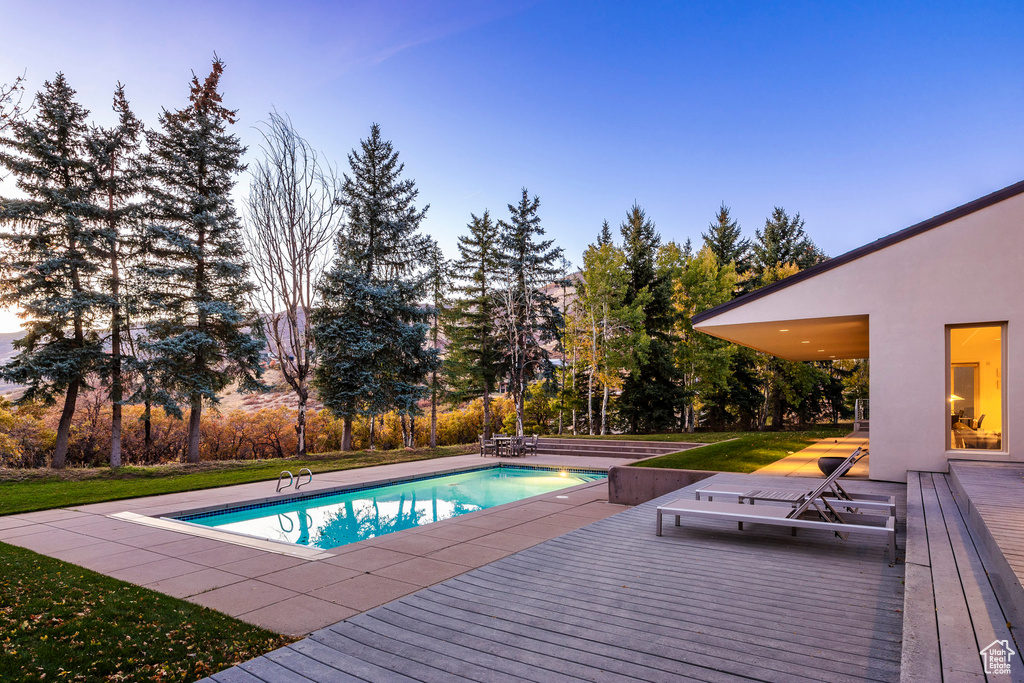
[613,602]
[952,607]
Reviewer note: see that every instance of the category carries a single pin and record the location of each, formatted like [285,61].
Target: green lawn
[745,452]
[60,622]
[27,490]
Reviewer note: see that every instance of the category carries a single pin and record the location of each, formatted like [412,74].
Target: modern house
[937,307]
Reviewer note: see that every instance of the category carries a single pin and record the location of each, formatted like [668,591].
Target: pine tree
[649,397]
[202,333]
[782,248]
[373,346]
[438,286]
[473,356]
[782,242]
[54,254]
[604,238]
[724,239]
[383,222]
[529,314]
[118,180]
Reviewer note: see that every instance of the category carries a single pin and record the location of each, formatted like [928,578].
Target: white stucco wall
[970,270]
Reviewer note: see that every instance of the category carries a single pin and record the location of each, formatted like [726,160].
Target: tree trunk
[590,402]
[433,410]
[300,428]
[147,422]
[520,400]
[373,426]
[604,411]
[412,431]
[194,417]
[115,434]
[60,453]
[346,433]
[116,391]
[487,412]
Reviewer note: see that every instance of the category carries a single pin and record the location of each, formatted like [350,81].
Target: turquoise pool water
[336,519]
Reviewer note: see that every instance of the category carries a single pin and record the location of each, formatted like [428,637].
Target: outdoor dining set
[509,446]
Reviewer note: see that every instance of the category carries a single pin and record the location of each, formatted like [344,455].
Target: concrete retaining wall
[635,485]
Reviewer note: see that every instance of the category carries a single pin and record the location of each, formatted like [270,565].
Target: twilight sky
[864,117]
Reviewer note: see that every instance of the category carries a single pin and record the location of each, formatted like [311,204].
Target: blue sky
[863,117]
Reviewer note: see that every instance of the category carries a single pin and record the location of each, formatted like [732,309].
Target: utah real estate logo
[997,657]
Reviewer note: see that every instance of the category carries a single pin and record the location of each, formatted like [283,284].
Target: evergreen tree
[53,254]
[373,346]
[529,314]
[724,240]
[604,238]
[383,222]
[201,332]
[649,396]
[782,248]
[438,286]
[782,242]
[473,355]
[118,180]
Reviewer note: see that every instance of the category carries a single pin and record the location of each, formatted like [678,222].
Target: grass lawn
[745,452]
[28,490]
[60,622]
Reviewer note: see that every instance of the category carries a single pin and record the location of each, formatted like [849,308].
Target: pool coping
[270,501]
[296,595]
[174,522]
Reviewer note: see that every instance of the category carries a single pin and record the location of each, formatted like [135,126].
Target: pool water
[329,521]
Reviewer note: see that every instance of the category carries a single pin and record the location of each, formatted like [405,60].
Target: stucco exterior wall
[970,270]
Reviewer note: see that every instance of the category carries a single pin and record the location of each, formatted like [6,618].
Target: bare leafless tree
[293,215]
[11,98]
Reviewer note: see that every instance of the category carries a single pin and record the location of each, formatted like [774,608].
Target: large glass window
[976,389]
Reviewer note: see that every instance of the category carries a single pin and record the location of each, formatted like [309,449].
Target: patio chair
[822,516]
[487,446]
[834,493]
[531,446]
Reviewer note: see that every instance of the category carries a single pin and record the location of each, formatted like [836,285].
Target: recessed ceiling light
[831,356]
[821,350]
[783,330]
[805,342]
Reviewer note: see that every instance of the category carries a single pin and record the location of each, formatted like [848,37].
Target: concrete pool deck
[298,596]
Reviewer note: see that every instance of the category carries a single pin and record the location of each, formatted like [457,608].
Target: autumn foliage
[28,433]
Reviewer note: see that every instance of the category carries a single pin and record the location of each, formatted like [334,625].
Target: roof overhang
[801,339]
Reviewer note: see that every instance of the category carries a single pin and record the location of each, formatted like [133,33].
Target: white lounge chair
[834,493]
[822,516]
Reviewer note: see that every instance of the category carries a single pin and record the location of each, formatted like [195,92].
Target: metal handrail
[291,478]
[298,481]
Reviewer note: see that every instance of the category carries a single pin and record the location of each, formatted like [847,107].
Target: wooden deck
[952,610]
[613,602]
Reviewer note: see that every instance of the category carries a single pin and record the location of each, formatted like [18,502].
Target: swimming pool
[332,519]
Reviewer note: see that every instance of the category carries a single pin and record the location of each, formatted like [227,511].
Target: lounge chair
[823,516]
[834,493]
